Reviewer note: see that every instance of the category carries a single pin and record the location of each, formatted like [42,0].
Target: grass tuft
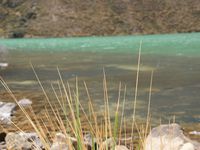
[69,117]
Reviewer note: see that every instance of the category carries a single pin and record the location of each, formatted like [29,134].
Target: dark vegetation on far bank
[61,18]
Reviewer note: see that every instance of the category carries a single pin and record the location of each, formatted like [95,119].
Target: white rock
[110,142]
[59,146]
[3,65]
[194,132]
[25,102]
[60,142]
[121,147]
[2,146]
[3,57]
[169,137]
[187,146]
[6,110]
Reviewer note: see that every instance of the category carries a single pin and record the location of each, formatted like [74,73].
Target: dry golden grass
[69,117]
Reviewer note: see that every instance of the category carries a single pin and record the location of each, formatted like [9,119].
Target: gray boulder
[21,140]
[61,141]
[169,137]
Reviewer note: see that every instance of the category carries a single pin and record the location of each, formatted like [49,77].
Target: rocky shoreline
[162,137]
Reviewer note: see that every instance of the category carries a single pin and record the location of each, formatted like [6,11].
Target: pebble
[110,143]
[3,65]
[60,142]
[194,132]
[25,102]
[6,111]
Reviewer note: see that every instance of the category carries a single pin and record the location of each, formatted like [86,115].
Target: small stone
[3,65]
[110,142]
[6,110]
[194,132]
[31,15]
[88,139]
[3,146]
[3,57]
[25,102]
[60,142]
[121,147]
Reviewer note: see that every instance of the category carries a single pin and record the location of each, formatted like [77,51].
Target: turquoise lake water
[175,91]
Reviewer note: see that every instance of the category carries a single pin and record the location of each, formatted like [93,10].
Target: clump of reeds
[66,118]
